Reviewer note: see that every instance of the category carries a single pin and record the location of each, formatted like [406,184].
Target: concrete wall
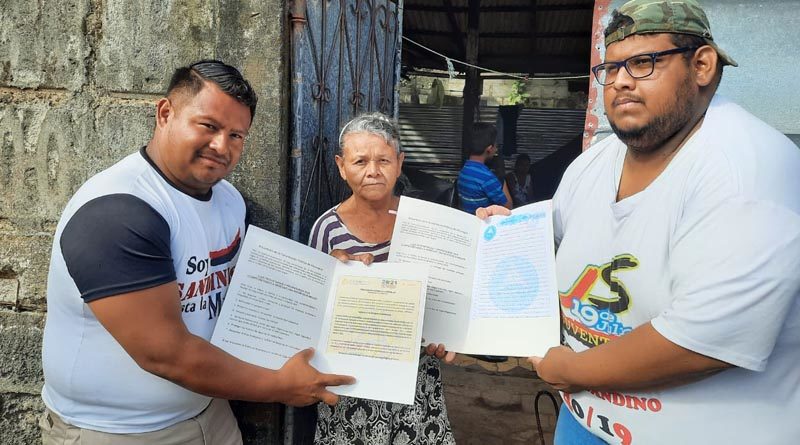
[78,83]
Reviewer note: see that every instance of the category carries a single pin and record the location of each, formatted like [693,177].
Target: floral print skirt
[355,421]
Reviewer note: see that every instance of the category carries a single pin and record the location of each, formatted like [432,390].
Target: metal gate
[345,61]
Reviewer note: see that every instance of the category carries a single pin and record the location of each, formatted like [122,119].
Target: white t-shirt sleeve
[558,219]
[734,269]
[560,203]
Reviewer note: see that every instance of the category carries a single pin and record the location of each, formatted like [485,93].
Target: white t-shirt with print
[709,253]
[128,229]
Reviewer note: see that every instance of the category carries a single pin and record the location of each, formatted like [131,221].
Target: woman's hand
[485,212]
[440,352]
[344,257]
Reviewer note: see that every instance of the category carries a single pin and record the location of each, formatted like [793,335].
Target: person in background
[678,252]
[360,229]
[519,181]
[477,185]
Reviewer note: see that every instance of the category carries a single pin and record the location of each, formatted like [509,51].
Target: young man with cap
[678,250]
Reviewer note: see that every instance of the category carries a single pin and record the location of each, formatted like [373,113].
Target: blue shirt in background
[479,187]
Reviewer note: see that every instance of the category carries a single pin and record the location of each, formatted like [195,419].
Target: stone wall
[78,83]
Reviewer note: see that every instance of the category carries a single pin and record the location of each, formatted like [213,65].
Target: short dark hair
[681,40]
[522,157]
[192,78]
[484,134]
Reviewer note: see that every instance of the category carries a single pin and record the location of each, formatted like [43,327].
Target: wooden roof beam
[493,9]
[506,35]
[455,29]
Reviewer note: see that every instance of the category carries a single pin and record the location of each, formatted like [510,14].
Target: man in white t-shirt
[141,261]
[678,252]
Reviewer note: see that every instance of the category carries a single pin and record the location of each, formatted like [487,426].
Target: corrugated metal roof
[431,135]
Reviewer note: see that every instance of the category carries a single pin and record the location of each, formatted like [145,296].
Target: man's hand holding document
[481,287]
[364,321]
[492,284]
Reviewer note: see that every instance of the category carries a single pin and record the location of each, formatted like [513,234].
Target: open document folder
[364,321]
[492,284]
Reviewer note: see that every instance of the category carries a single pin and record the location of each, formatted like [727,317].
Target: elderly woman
[360,228]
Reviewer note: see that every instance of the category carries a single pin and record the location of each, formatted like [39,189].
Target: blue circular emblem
[514,285]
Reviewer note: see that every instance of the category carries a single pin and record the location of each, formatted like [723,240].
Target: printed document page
[373,329]
[514,295]
[446,239]
[364,321]
[492,286]
[276,300]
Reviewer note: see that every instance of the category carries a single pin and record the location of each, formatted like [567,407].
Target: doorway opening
[534,87]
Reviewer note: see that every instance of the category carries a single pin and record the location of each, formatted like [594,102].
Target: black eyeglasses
[638,66]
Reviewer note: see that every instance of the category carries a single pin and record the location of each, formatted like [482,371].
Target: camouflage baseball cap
[667,16]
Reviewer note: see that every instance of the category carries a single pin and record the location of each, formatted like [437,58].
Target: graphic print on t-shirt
[211,284]
[227,254]
[590,314]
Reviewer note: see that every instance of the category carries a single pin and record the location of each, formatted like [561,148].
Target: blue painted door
[345,61]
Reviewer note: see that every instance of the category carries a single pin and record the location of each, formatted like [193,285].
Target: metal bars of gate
[345,61]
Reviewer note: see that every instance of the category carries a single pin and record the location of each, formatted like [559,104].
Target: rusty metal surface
[344,62]
[595,103]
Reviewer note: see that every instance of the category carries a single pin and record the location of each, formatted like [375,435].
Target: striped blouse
[329,233]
